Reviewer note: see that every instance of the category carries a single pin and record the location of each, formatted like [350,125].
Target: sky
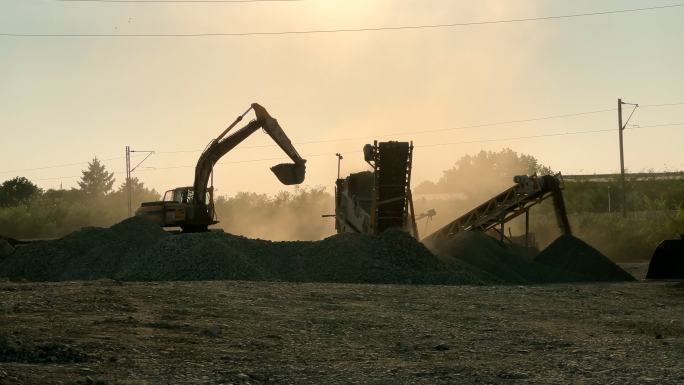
[65,100]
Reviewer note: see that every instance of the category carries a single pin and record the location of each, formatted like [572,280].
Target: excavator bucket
[668,260]
[289,173]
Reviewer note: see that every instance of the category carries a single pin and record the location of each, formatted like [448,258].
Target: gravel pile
[574,255]
[206,256]
[6,248]
[90,253]
[393,257]
[503,263]
[136,250]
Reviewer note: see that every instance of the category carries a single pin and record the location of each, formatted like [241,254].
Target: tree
[17,191]
[139,193]
[484,174]
[96,181]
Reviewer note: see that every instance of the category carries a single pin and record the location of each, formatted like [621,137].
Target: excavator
[192,208]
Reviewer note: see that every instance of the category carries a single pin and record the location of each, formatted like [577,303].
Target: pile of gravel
[574,255]
[503,263]
[204,256]
[89,253]
[11,241]
[6,248]
[136,250]
[393,257]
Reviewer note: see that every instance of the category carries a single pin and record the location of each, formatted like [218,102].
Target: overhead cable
[342,30]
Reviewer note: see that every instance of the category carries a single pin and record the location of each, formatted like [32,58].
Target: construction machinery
[492,215]
[371,202]
[668,260]
[192,208]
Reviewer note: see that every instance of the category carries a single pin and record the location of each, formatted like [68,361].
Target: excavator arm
[287,173]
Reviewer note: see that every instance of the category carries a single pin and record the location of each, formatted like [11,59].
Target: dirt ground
[106,332]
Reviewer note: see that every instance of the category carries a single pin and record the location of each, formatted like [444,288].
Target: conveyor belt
[527,192]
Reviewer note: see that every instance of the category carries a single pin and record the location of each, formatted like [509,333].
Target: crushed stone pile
[393,257]
[206,256]
[89,253]
[504,264]
[574,255]
[11,241]
[6,248]
[136,250]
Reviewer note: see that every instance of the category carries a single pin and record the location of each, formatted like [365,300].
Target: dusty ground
[282,333]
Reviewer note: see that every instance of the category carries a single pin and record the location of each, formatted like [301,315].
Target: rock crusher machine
[371,202]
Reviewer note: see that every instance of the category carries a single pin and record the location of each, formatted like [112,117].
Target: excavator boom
[195,213]
[287,173]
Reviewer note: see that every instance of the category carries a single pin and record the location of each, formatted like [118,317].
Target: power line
[471,141]
[477,125]
[548,135]
[661,105]
[424,145]
[655,126]
[56,166]
[58,178]
[236,162]
[515,138]
[189,166]
[381,135]
[364,29]
[549,117]
[175,1]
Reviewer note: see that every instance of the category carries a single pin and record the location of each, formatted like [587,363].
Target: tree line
[26,211]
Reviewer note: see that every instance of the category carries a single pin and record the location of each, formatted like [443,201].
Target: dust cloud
[297,215]
[283,217]
[471,181]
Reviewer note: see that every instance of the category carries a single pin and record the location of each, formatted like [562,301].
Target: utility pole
[339,160]
[128,178]
[129,172]
[621,127]
[622,161]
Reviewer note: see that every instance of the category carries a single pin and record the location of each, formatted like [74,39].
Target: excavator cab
[184,195]
[178,195]
[177,207]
